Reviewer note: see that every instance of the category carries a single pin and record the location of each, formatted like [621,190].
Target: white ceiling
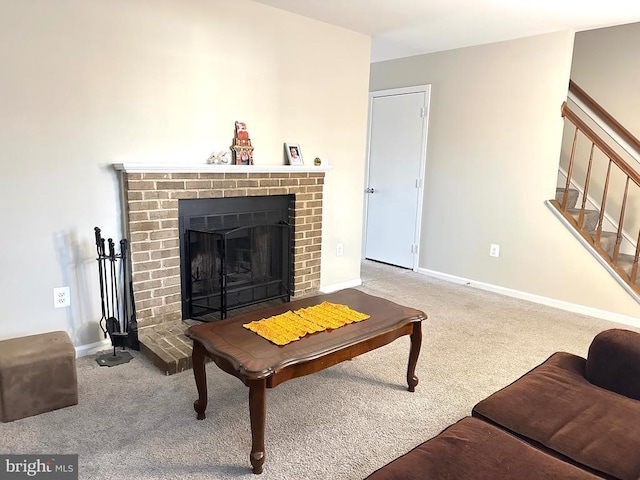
[401,28]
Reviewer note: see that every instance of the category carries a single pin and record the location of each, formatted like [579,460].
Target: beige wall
[492,156]
[606,65]
[88,83]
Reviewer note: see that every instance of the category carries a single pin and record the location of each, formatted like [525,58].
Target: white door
[396,159]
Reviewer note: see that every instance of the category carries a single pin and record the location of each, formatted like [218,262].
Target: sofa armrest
[613,362]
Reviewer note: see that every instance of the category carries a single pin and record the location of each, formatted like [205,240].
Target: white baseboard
[550,302]
[92,348]
[341,286]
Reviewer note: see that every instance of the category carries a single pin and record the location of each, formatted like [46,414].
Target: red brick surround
[151,209]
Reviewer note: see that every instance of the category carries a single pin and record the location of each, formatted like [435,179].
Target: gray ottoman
[37,375]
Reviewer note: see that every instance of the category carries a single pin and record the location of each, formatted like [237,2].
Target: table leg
[197,359]
[257,413]
[416,343]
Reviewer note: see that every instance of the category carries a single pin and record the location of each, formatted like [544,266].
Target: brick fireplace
[150,195]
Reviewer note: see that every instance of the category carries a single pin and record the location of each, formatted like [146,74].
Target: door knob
[369,190]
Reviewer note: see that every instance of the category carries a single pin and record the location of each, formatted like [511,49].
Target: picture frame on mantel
[294,154]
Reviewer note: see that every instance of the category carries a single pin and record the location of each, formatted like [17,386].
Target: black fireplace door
[229,269]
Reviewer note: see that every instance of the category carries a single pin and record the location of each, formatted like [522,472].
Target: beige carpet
[132,422]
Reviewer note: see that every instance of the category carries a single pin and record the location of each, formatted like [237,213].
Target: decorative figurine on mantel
[219,158]
[241,148]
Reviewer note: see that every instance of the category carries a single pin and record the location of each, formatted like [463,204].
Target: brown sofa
[569,417]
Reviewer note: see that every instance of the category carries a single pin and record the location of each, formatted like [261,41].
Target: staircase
[600,199]
[605,248]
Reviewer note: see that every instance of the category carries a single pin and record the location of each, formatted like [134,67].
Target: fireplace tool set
[118,319]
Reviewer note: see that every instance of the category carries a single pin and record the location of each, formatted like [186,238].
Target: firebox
[234,252]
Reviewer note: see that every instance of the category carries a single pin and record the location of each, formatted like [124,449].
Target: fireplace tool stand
[114,283]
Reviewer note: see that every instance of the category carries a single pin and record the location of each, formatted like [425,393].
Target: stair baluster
[616,248]
[603,204]
[565,197]
[585,195]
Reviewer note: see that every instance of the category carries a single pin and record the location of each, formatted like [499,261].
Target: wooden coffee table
[260,364]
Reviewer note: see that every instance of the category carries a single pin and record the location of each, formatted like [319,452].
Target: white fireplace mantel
[211,168]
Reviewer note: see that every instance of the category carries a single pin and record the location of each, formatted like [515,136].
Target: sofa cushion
[475,450]
[555,406]
[614,362]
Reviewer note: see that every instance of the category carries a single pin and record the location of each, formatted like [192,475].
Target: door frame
[426,89]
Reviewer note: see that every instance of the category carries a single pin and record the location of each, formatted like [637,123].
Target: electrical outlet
[494,250]
[340,249]
[61,297]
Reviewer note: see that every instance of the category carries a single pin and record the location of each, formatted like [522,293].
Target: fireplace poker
[133,327]
[103,259]
[114,279]
[103,319]
[125,305]
[113,324]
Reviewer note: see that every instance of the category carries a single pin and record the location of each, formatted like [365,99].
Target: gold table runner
[293,325]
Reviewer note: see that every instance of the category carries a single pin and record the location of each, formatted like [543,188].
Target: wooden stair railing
[605,116]
[615,163]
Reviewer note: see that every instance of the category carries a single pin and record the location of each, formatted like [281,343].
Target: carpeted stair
[607,238]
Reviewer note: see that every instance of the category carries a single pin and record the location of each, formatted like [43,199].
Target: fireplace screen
[235,257]
[236,268]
